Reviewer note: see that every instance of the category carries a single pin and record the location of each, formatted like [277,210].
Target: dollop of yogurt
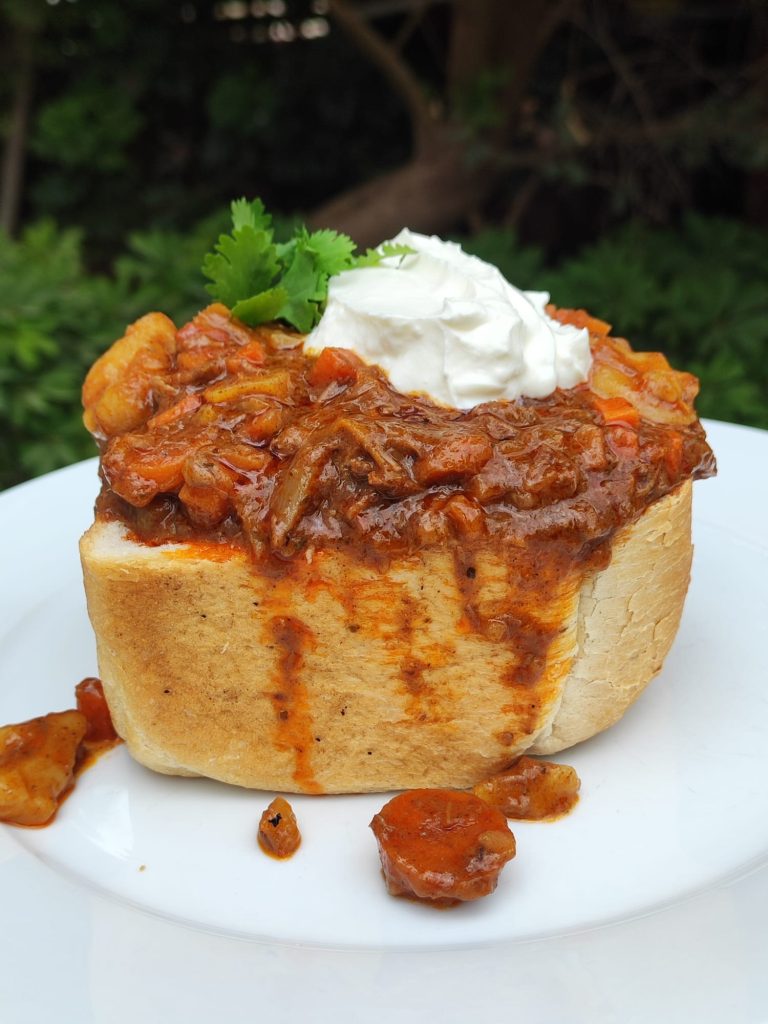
[448,324]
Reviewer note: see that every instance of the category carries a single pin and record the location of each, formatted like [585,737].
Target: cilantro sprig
[263,280]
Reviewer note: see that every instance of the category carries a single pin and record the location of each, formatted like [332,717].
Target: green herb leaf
[285,250]
[261,308]
[262,280]
[243,264]
[307,287]
[252,215]
[332,251]
[373,257]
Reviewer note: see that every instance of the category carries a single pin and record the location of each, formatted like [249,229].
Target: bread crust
[338,677]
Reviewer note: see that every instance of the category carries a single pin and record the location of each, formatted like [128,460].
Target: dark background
[615,153]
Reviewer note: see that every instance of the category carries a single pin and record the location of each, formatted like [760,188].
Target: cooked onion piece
[532,790]
[117,393]
[37,764]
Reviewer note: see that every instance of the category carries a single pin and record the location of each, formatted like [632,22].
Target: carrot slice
[188,404]
[334,365]
[616,410]
[205,505]
[249,355]
[139,475]
[580,318]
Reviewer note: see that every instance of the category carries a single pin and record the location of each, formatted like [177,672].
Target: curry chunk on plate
[37,765]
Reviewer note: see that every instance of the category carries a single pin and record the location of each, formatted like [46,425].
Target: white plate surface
[670,838]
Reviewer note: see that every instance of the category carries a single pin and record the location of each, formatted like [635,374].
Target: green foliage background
[696,292]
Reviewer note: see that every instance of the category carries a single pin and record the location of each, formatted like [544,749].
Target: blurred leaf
[112,123]
[478,106]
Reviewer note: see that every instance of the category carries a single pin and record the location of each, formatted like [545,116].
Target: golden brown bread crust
[627,621]
[339,677]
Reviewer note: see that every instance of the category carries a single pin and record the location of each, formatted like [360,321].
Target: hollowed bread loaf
[304,580]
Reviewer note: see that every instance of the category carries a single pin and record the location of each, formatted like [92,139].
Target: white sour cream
[448,324]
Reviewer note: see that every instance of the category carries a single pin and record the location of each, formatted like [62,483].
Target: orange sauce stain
[527,620]
[92,751]
[209,550]
[316,582]
[87,756]
[289,699]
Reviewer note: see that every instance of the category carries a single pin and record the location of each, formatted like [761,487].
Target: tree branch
[393,67]
[523,198]
[410,24]
[505,38]
[16,142]
[639,96]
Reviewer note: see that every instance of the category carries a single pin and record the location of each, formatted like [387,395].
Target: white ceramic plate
[602,916]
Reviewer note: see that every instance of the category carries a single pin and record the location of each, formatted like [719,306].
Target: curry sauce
[222,433]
